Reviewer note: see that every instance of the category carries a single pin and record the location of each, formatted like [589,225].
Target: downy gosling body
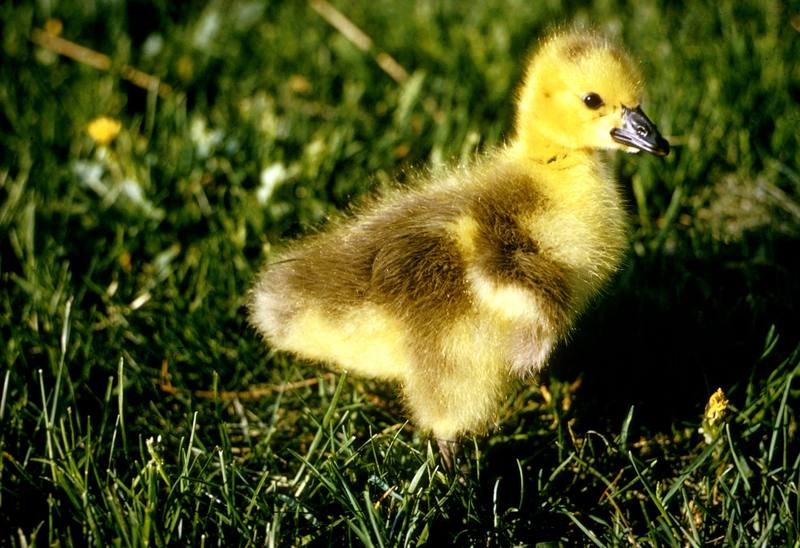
[459,283]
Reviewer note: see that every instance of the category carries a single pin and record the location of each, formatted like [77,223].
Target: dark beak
[639,132]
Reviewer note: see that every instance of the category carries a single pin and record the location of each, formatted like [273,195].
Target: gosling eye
[593,101]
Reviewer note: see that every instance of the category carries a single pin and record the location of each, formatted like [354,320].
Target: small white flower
[270,177]
[153,46]
[204,139]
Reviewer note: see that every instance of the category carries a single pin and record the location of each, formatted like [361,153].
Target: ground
[139,407]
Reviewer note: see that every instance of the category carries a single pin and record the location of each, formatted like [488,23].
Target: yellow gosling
[457,284]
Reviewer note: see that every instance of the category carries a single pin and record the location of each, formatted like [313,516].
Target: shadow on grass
[677,328]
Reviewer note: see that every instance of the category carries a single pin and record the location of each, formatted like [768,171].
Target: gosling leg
[448,449]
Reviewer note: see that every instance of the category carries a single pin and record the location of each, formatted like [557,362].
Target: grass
[125,266]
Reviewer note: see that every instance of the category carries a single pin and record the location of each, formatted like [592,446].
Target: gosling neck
[532,145]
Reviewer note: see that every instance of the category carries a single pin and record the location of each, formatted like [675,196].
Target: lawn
[137,405]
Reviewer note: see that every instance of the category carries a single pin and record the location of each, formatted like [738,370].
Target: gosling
[457,284]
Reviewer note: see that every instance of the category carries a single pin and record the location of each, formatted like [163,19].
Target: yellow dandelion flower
[103,129]
[185,68]
[717,407]
[715,415]
[53,27]
[299,84]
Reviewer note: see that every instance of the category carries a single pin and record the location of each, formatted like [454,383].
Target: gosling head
[580,93]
